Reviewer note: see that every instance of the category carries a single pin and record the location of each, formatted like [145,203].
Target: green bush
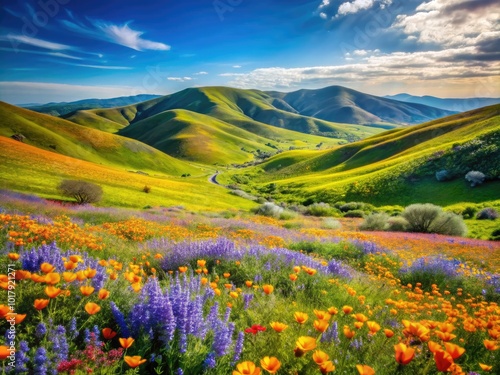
[288,215]
[397,224]
[469,212]
[320,209]
[376,221]
[495,235]
[428,218]
[269,209]
[355,213]
[450,224]
[352,206]
[330,223]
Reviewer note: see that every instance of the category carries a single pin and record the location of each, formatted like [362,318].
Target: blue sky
[64,50]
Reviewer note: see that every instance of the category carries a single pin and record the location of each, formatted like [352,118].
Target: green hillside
[337,103]
[395,167]
[66,138]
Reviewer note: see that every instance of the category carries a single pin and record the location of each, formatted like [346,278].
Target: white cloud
[45,53]
[118,34]
[378,70]
[351,7]
[200,73]
[451,23]
[324,4]
[16,39]
[323,15]
[179,79]
[236,66]
[127,37]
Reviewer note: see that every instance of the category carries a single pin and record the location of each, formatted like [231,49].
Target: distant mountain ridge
[64,108]
[450,104]
[341,104]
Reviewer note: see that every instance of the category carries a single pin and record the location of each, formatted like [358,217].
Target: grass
[75,141]
[29,169]
[378,169]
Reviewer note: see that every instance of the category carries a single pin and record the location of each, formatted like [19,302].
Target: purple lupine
[73,330]
[22,358]
[247,298]
[40,361]
[120,320]
[40,330]
[331,334]
[60,345]
[238,347]
[210,361]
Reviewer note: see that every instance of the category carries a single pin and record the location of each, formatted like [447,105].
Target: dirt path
[213,179]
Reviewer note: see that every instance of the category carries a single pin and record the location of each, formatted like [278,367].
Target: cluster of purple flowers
[222,248]
[177,313]
[433,265]
[33,258]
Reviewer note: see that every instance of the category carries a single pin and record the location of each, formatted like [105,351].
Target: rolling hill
[72,140]
[395,167]
[219,125]
[340,104]
[450,104]
[61,109]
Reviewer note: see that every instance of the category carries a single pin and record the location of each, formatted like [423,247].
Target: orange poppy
[47,267]
[246,368]
[270,364]
[52,291]
[300,317]
[134,361]
[278,327]
[126,343]
[87,290]
[268,289]
[40,304]
[108,333]
[321,325]
[103,294]
[443,360]
[92,308]
[404,354]
[365,370]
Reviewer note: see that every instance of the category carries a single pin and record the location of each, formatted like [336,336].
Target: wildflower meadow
[162,291]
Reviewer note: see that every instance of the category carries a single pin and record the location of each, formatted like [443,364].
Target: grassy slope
[345,105]
[65,137]
[384,155]
[222,115]
[29,169]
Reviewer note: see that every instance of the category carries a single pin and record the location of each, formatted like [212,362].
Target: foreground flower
[256,328]
[40,304]
[134,361]
[454,350]
[52,291]
[4,352]
[108,333]
[268,289]
[92,308]
[87,290]
[246,368]
[388,333]
[278,327]
[404,354]
[103,294]
[490,345]
[365,370]
[485,367]
[126,343]
[320,357]
[443,360]
[300,317]
[321,325]
[270,364]
[347,309]
[327,367]
[304,344]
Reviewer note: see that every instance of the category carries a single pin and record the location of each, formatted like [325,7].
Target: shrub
[475,178]
[428,218]
[397,224]
[421,216]
[287,215]
[243,194]
[146,189]
[469,212]
[82,191]
[375,222]
[352,206]
[320,209]
[269,209]
[355,213]
[442,175]
[488,213]
[330,223]
[495,235]
[450,224]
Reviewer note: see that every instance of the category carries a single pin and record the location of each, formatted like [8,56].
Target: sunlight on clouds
[127,37]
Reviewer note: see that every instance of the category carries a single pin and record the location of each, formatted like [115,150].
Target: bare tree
[82,191]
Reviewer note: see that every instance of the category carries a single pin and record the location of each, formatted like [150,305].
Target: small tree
[421,216]
[82,191]
[475,178]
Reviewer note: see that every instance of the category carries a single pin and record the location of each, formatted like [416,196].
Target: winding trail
[213,179]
